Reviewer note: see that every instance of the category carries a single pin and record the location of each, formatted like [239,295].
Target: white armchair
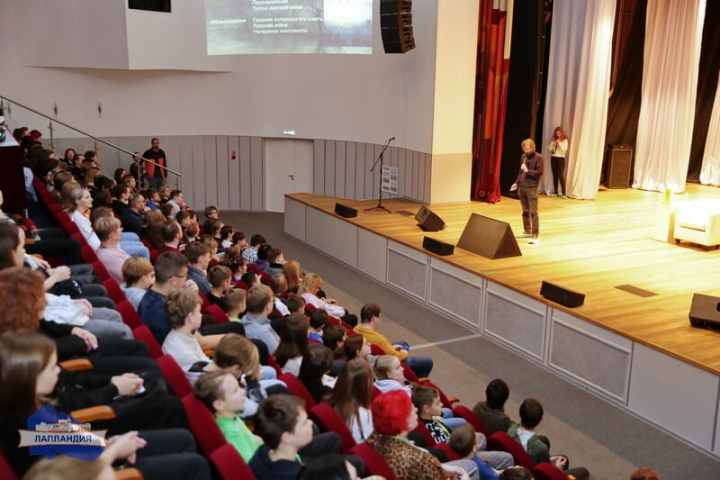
[698,221]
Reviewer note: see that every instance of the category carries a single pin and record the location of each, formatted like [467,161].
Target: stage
[616,344]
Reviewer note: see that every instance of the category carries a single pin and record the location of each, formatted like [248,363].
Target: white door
[288,169]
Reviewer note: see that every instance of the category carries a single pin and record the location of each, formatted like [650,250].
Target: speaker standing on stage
[526,184]
[558,149]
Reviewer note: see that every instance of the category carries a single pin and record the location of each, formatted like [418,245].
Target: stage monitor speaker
[705,311]
[429,221]
[489,237]
[436,246]
[396,25]
[618,166]
[345,211]
[561,295]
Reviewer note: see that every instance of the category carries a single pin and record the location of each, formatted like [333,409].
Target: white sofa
[698,221]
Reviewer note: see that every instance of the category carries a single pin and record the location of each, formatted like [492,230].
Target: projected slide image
[237,27]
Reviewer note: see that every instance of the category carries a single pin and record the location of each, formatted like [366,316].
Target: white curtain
[578,85]
[710,172]
[673,34]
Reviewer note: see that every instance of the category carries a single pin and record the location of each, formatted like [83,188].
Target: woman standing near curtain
[558,149]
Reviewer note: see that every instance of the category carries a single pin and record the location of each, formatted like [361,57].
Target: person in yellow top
[369,321]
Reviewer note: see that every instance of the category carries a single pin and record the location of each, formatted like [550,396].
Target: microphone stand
[380,159]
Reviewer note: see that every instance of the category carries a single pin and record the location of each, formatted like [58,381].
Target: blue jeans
[136,249]
[422,366]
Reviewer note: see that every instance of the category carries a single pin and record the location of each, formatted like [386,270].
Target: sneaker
[534,240]
[552,194]
[524,235]
[564,197]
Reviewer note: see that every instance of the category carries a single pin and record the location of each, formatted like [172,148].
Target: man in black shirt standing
[531,169]
[155,174]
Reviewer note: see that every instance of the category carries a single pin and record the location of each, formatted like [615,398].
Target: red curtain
[491,87]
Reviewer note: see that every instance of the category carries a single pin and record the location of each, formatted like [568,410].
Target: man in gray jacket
[257,325]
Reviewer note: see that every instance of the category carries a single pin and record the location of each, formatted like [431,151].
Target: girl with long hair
[352,396]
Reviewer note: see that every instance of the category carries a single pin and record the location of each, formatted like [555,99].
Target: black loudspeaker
[704,311]
[428,221]
[489,237]
[436,246]
[561,295]
[396,25]
[618,166]
[345,211]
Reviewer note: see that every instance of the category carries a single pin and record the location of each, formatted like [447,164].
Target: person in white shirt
[76,201]
[352,396]
[182,309]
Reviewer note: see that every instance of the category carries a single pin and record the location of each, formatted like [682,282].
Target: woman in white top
[309,287]
[352,396]
[558,149]
[76,201]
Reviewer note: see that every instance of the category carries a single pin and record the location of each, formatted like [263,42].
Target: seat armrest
[93,414]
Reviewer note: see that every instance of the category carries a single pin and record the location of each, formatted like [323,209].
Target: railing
[6,106]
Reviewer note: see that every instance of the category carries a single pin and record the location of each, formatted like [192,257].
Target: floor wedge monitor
[429,221]
[345,211]
[436,246]
[561,295]
[489,238]
[705,311]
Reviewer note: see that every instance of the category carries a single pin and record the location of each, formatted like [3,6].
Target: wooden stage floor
[591,247]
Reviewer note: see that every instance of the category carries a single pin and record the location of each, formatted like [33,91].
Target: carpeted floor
[592,433]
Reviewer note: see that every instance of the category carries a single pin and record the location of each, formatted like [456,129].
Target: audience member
[316,364]
[292,272]
[492,410]
[516,473]
[351,398]
[234,301]
[129,241]
[139,277]
[277,261]
[370,320]
[262,262]
[198,254]
[256,322]
[110,253]
[220,278]
[464,441]
[278,284]
[155,168]
[250,253]
[132,217]
[182,309]
[310,290]
[318,321]
[293,343]
[177,200]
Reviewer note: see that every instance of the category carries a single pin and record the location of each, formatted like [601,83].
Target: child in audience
[239,239]
[220,392]
[293,273]
[182,309]
[333,467]
[356,346]
[284,426]
[316,364]
[220,279]
[277,261]
[492,411]
[351,398]
[296,304]
[239,357]
[211,211]
[250,253]
[429,407]
[464,441]
[318,321]
[516,473]
[234,302]
[139,278]
[250,279]
[334,338]
[293,343]
[198,254]
[278,284]
[255,320]
[226,233]
[262,262]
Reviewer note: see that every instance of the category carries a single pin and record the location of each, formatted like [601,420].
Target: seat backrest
[423,430]
[86,251]
[548,471]
[505,443]
[375,350]
[409,374]
[218,314]
[375,464]
[175,376]
[145,335]
[205,302]
[229,464]
[273,363]
[129,315]
[6,472]
[100,270]
[203,426]
[253,268]
[114,291]
[464,412]
[265,279]
[451,454]
[297,388]
[330,421]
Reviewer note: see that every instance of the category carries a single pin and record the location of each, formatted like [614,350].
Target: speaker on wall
[561,295]
[436,246]
[429,221]
[345,211]
[619,163]
[705,311]
[396,25]
[489,237]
